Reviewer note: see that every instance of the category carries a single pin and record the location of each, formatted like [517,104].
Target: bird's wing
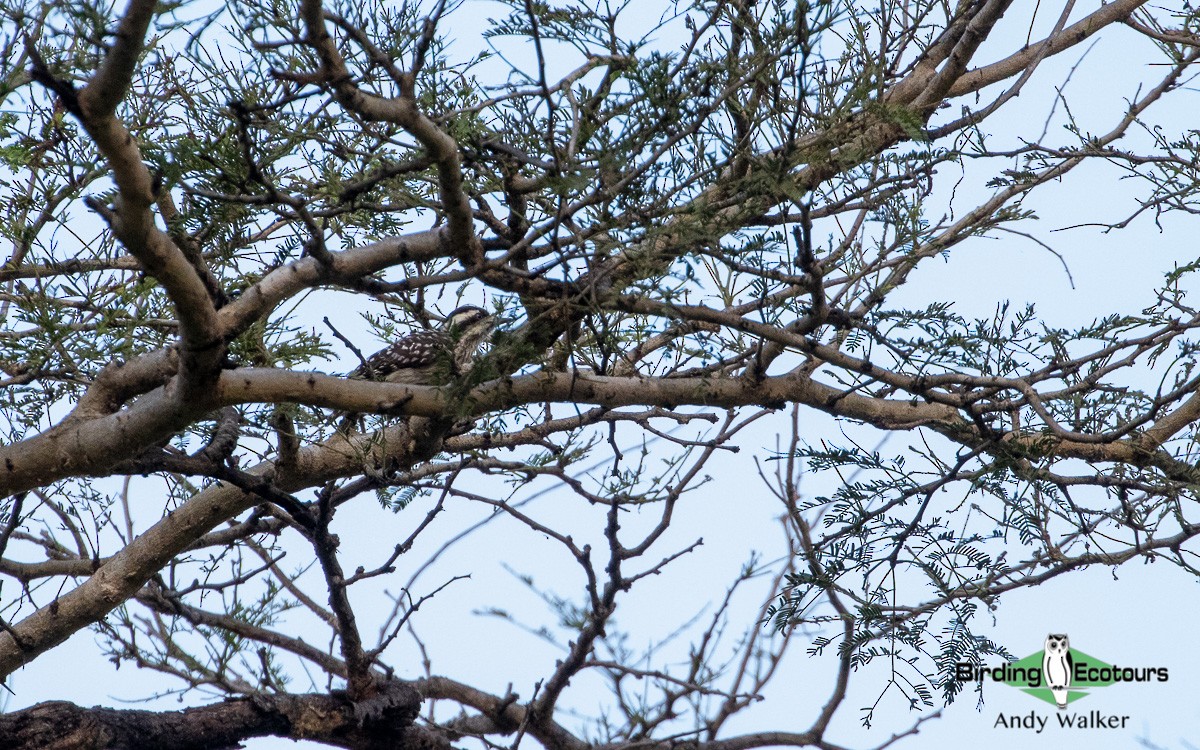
[419,349]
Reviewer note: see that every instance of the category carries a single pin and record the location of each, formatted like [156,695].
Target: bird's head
[469,323]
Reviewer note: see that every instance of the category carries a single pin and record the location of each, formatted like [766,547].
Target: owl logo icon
[1057,667]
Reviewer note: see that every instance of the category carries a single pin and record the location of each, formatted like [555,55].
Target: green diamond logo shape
[1079,687]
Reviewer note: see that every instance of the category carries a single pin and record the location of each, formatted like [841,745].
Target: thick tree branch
[331,719]
[132,221]
[283,283]
[1108,14]
[124,574]
[639,219]
[403,111]
[107,437]
[252,385]
[107,89]
[249,385]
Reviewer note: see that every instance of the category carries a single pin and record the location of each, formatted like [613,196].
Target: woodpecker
[431,357]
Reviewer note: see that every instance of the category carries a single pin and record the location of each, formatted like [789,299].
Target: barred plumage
[431,357]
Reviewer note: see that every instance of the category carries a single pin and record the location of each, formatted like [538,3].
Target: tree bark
[385,720]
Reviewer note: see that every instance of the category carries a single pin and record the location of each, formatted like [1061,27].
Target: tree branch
[127,571]
[327,718]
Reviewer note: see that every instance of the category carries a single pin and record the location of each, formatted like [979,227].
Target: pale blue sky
[1138,615]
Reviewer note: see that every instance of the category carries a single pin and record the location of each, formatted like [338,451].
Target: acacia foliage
[690,223]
